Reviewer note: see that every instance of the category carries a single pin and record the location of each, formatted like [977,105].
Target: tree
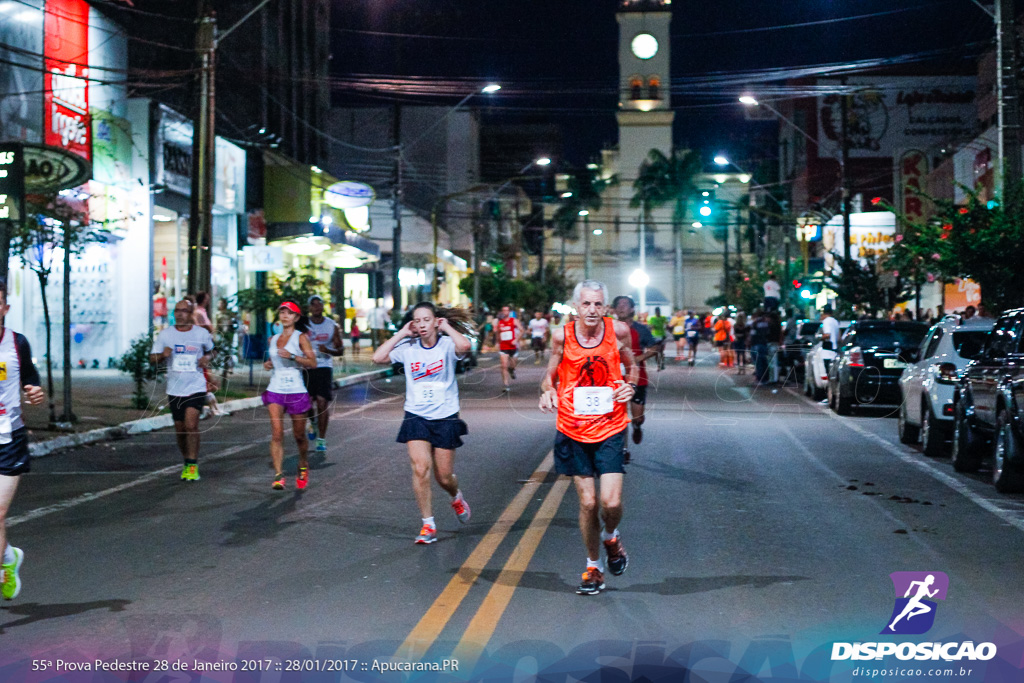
[668,181]
[497,289]
[746,287]
[54,222]
[585,188]
[135,362]
[980,240]
[297,285]
[859,287]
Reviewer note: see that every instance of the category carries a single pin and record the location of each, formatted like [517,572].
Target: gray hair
[592,285]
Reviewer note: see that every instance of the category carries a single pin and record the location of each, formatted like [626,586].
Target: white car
[816,365]
[927,386]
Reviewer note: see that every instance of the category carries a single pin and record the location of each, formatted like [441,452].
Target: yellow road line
[433,622]
[481,628]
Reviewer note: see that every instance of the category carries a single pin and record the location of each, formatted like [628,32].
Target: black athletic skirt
[444,433]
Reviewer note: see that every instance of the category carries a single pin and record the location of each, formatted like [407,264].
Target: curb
[150,424]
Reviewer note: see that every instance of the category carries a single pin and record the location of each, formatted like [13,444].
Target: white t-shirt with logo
[184,376]
[430,387]
[322,333]
[538,327]
[772,289]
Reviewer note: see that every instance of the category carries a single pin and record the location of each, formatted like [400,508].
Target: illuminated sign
[66,122]
[49,169]
[12,181]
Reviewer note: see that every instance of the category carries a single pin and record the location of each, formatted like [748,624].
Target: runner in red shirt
[644,346]
[508,330]
[586,387]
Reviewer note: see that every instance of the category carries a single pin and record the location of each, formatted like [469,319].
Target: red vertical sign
[66,99]
[913,167]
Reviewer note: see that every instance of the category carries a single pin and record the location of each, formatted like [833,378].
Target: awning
[285,231]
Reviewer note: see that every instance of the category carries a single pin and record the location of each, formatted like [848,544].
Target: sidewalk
[102,398]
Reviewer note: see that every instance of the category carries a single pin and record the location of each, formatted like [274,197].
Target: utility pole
[844,169]
[396,235]
[1011,167]
[200,225]
[588,264]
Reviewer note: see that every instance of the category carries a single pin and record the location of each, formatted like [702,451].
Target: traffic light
[707,203]
[796,284]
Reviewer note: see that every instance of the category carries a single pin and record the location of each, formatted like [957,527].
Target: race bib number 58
[592,400]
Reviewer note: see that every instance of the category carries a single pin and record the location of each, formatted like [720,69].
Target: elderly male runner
[585,385]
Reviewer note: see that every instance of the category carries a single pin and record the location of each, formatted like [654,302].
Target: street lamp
[490,88]
[640,279]
[543,161]
[722,160]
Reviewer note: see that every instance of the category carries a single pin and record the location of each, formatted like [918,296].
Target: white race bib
[428,393]
[678,329]
[183,362]
[5,426]
[506,335]
[592,400]
[286,381]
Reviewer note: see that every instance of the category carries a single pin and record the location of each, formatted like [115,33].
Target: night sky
[557,59]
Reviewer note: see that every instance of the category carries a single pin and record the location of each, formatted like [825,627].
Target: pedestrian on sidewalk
[189,348]
[325,339]
[429,346]
[17,374]
[355,334]
[774,343]
[759,336]
[740,332]
[772,294]
[290,353]
[585,385]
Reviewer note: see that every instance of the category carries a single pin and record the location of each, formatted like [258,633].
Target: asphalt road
[761,529]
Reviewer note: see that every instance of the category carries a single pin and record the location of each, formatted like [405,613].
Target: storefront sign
[12,181]
[262,259]
[961,294]
[111,149]
[229,181]
[892,114]
[912,169]
[49,169]
[174,152]
[348,195]
[66,122]
[872,234]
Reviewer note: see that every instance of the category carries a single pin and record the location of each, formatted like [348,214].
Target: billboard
[66,122]
[888,115]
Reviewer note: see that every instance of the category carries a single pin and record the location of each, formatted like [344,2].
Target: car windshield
[969,344]
[808,329]
[890,338]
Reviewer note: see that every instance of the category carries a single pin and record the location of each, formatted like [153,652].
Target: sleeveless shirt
[582,368]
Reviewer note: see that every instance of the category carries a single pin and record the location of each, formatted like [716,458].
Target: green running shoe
[11,581]
[190,472]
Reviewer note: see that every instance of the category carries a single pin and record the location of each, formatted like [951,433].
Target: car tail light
[856,358]
[947,410]
[947,373]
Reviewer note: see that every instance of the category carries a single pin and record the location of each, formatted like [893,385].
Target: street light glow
[543,161]
[584,212]
[698,224]
[598,231]
[490,88]
[705,211]
[749,100]
[722,160]
[566,195]
[705,193]
[639,279]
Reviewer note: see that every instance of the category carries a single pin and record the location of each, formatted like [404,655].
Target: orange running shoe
[302,480]
[593,582]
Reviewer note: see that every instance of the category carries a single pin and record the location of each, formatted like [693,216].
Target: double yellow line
[487,616]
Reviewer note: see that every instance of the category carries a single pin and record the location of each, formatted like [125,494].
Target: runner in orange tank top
[585,385]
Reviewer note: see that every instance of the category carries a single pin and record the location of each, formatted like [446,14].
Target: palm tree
[668,181]
[585,187]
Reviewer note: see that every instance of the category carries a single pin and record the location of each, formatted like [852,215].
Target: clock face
[645,46]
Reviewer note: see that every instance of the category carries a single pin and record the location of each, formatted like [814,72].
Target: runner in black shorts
[325,337]
[17,374]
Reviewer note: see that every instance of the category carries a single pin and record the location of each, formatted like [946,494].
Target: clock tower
[645,114]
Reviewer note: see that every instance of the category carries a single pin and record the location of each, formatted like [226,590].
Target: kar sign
[66,112]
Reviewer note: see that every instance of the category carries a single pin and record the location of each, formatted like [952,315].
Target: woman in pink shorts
[290,351]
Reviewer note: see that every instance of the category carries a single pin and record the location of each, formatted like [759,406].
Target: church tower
[645,114]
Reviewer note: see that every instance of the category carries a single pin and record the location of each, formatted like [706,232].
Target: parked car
[929,385]
[816,364]
[987,406]
[796,342]
[871,357]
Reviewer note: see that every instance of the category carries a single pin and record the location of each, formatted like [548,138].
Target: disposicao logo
[914,614]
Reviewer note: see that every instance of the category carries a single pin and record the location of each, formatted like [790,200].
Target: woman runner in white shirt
[290,351]
[431,428]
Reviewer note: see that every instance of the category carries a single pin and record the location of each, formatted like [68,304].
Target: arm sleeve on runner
[29,373]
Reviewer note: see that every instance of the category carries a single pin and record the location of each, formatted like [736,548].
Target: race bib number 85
[592,400]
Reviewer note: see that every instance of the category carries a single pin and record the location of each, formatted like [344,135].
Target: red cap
[291,307]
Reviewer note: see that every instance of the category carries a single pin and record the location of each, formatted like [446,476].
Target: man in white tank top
[325,336]
[17,374]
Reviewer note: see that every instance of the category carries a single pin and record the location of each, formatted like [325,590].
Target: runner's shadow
[545,581]
[260,522]
[34,611]
[667,471]
[688,585]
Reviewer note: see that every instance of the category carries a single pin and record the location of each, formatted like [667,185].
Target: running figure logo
[914,612]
